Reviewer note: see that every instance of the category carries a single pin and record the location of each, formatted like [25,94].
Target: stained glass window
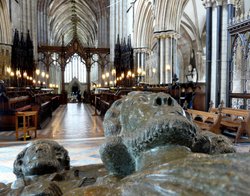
[75,68]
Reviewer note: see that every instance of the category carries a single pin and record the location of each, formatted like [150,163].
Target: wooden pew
[206,120]
[22,100]
[9,107]
[104,101]
[236,120]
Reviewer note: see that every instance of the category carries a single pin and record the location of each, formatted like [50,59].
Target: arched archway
[5,39]
[5,27]
[87,55]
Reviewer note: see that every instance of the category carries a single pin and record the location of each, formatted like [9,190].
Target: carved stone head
[155,117]
[41,157]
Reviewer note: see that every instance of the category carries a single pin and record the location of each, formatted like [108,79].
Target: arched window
[75,68]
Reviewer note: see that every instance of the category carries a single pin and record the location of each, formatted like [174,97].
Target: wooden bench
[26,122]
[236,120]
[9,107]
[206,120]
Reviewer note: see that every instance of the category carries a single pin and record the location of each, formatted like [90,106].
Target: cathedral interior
[66,64]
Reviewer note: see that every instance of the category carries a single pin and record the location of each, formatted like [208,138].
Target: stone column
[208,5]
[140,60]
[170,57]
[162,60]
[167,54]
[158,74]
[218,52]
[230,14]
[143,60]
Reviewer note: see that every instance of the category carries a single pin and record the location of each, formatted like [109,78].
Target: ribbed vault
[73,18]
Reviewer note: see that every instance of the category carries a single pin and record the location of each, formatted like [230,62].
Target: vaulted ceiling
[73,17]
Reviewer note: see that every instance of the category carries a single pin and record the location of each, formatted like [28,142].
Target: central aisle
[73,121]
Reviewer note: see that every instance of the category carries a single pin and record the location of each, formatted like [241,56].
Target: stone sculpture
[175,170]
[142,121]
[41,157]
[151,142]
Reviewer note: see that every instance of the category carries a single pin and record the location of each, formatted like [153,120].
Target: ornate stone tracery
[240,66]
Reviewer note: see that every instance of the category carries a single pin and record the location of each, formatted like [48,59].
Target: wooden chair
[26,122]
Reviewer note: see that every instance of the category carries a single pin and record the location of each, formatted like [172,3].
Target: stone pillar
[169,63]
[162,60]
[143,60]
[230,14]
[208,5]
[218,53]
[140,59]
[167,56]
[158,62]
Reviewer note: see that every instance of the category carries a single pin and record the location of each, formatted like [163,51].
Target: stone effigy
[43,168]
[175,170]
[41,157]
[142,121]
[152,148]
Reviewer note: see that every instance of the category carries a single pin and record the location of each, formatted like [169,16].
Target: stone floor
[73,126]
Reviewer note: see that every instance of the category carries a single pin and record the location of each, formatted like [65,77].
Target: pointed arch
[169,14]
[144,21]
[5,27]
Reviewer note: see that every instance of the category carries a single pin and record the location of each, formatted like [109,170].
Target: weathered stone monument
[142,121]
[151,148]
[41,157]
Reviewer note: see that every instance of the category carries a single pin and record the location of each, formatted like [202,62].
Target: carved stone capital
[208,3]
[219,2]
[166,35]
[230,1]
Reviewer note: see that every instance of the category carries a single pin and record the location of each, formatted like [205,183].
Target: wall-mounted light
[168,67]
[38,72]
[43,74]
[25,75]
